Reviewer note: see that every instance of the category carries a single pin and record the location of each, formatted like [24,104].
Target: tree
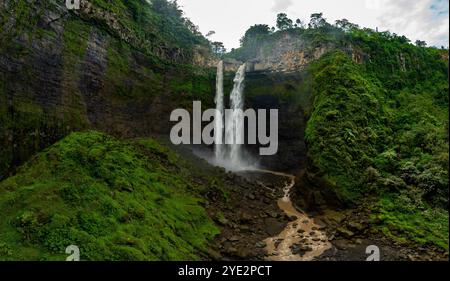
[317,21]
[299,23]
[283,22]
[211,33]
[420,43]
[218,48]
[254,34]
[191,26]
[345,25]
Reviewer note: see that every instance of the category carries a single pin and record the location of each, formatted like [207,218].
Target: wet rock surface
[248,217]
[247,225]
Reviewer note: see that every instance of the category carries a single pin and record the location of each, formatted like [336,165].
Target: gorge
[86,157]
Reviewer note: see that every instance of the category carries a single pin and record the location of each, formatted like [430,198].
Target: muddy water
[302,239]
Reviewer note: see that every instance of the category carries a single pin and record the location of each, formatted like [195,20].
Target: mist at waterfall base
[232,157]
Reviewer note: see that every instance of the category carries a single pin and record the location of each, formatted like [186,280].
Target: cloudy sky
[416,19]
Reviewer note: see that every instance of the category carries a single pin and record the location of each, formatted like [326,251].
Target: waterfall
[229,129]
[219,119]
[234,131]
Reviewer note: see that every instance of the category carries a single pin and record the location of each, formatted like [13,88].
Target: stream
[302,239]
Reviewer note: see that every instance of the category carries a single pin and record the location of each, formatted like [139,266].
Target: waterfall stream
[229,136]
[234,131]
[219,126]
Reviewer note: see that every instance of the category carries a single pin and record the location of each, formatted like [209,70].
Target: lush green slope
[388,145]
[116,200]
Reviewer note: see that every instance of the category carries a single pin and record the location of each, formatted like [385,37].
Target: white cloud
[281,5]
[419,19]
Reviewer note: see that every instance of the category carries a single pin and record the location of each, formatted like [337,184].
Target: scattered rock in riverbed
[298,249]
[273,226]
[261,245]
[344,232]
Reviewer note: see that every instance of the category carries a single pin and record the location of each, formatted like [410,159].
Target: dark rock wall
[61,73]
[290,93]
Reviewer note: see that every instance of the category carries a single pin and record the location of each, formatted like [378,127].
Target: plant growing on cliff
[373,141]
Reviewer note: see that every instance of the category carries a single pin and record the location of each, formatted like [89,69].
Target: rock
[341,244]
[233,239]
[251,196]
[278,242]
[321,224]
[261,245]
[230,250]
[273,227]
[356,226]
[244,228]
[222,221]
[245,218]
[230,176]
[335,217]
[216,256]
[345,232]
[297,249]
[242,253]
[318,199]
[291,218]
[273,214]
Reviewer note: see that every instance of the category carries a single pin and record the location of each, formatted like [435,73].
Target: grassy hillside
[116,200]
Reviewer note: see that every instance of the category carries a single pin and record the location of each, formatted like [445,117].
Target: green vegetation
[385,139]
[406,218]
[158,27]
[346,128]
[378,129]
[116,200]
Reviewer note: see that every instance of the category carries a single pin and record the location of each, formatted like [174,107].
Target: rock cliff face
[63,70]
[291,94]
[290,54]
